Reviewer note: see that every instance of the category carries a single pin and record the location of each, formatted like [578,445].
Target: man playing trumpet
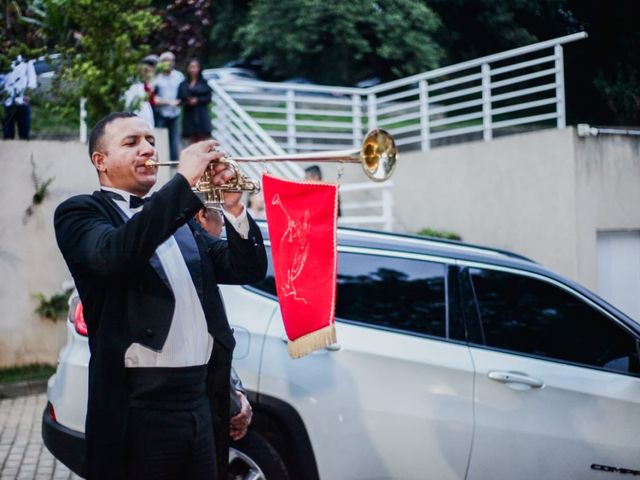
[159,339]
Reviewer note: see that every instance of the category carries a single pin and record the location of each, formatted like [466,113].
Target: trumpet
[377,156]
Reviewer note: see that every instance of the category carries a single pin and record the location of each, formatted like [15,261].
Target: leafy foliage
[41,190]
[338,42]
[474,28]
[17,36]
[54,307]
[602,73]
[621,89]
[184,23]
[111,41]
[32,28]
[227,17]
[26,372]
[430,232]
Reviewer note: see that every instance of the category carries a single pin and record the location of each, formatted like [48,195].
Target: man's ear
[98,160]
[201,216]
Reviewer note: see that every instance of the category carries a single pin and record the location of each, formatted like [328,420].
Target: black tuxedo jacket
[127,299]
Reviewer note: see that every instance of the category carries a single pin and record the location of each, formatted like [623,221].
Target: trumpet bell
[378,155]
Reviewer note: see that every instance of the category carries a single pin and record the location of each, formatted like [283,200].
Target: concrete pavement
[22,453]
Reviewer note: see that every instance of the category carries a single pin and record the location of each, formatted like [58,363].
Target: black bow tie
[135,202]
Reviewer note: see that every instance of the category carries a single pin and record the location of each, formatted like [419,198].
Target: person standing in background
[240,412]
[167,102]
[195,95]
[141,96]
[17,104]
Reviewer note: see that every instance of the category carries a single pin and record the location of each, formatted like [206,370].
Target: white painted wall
[29,258]
[516,193]
[618,257]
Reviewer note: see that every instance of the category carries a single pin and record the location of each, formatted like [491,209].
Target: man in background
[212,221]
[313,173]
[167,82]
[17,105]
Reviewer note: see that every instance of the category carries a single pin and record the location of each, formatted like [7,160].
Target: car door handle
[334,347]
[513,377]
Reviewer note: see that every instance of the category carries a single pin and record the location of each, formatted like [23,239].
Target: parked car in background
[453,361]
[228,76]
[368,82]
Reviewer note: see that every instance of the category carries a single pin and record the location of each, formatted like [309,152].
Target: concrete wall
[29,258]
[607,194]
[542,194]
[515,193]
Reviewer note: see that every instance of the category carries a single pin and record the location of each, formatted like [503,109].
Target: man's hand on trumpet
[195,159]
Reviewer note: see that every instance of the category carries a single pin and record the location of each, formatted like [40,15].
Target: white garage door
[619,270]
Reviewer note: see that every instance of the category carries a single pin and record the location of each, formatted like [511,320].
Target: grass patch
[47,122]
[26,372]
[432,232]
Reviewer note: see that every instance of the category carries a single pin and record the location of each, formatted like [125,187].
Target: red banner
[302,218]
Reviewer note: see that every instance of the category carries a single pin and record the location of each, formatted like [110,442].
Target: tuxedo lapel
[189,249]
[154,261]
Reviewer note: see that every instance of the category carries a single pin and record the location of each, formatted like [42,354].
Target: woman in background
[195,94]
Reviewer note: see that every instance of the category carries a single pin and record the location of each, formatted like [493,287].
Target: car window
[391,292]
[530,316]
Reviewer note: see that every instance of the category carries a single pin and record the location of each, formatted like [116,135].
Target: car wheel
[254,458]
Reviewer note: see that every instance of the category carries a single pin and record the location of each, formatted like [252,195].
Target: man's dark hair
[314,170]
[95,139]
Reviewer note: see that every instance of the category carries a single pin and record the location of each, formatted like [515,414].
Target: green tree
[602,72]
[17,36]
[183,29]
[222,45]
[100,62]
[474,28]
[339,42]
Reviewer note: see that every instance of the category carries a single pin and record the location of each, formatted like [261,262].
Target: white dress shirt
[188,342]
[21,78]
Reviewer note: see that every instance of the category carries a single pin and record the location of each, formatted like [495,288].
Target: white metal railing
[241,135]
[367,204]
[478,99]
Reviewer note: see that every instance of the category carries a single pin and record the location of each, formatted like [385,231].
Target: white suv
[454,361]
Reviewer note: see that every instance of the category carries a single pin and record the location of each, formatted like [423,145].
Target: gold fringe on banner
[312,341]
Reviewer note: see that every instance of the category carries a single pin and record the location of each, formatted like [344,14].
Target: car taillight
[51,411]
[78,320]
